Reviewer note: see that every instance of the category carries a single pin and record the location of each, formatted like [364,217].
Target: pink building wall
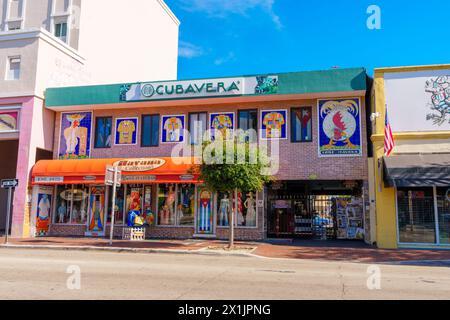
[36,126]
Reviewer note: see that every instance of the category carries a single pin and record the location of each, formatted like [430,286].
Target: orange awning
[92,171]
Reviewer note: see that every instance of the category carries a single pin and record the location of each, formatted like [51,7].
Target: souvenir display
[350,220]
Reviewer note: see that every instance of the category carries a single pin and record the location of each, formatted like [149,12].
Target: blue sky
[237,37]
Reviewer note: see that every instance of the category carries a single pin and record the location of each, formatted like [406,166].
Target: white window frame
[61,17]
[20,19]
[8,68]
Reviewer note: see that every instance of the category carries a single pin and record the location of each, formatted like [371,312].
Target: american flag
[389,142]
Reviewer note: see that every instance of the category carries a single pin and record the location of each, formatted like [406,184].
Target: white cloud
[230,57]
[188,50]
[223,8]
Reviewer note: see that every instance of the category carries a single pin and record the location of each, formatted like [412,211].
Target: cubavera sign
[188,89]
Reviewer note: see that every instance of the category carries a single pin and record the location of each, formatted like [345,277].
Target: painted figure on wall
[173,127]
[75,135]
[223,123]
[126,131]
[440,99]
[274,124]
[339,127]
[43,214]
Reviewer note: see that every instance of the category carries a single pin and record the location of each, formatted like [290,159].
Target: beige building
[54,43]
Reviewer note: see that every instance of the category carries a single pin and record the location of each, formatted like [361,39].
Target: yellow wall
[385,212]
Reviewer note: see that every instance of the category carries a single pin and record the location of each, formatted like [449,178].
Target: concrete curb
[202,251]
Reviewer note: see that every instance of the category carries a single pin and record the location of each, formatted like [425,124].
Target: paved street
[41,274]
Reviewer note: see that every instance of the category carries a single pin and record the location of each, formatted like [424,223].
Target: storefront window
[416,220]
[118,207]
[134,198]
[443,202]
[225,207]
[71,204]
[148,210]
[80,204]
[246,213]
[63,204]
[166,205]
[185,205]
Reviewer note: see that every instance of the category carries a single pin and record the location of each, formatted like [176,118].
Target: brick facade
[298,161]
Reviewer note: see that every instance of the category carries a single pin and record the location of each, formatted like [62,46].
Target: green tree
[232,167]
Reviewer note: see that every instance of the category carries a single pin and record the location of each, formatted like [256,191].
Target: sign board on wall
[423,97]
[204,88]
[9,121]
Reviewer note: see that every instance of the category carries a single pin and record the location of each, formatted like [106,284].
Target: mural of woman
[75,136]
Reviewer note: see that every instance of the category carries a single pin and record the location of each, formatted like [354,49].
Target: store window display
[80,204]
[225,206]
[166,204]
[118,207]
[71,204]
[246,209]
[96,225]
[185,205]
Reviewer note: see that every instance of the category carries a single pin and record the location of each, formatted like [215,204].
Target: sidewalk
[311,250]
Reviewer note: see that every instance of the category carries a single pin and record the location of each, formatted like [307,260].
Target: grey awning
[417,170]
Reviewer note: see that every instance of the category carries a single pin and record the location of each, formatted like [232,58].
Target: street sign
[109,177]
[10,183]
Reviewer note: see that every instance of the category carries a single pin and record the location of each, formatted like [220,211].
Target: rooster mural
[339,123]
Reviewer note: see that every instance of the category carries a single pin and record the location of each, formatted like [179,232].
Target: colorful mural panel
[222,122]
[274,124]
[339,128]
[126,131]
[75,137]
[172,128]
